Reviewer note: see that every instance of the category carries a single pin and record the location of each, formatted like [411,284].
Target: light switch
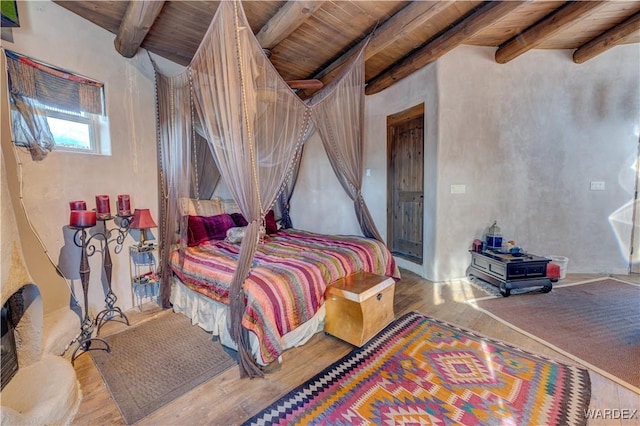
[597,186]
[367,172]
[458,189]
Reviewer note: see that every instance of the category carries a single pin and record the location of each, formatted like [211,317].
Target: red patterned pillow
[205,228]
[239,219]
[270,222]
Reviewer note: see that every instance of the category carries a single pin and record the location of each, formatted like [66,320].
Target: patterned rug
[420,370]
[154,363]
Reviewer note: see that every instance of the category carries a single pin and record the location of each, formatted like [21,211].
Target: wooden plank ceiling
[310,39]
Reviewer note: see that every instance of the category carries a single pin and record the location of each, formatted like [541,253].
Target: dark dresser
[507,271]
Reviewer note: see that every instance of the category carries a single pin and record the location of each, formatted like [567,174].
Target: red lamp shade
[142,220]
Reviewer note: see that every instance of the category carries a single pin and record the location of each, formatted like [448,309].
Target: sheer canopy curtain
[255,124]
[175,133]
[284,199]
[338,115]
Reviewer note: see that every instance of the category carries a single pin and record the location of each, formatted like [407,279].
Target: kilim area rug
[420,370]
[153,363]
[596,323]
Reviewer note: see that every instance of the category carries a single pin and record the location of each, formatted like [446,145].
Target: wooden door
[405,181]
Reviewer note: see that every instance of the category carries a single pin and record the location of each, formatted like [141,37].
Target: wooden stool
[359,306]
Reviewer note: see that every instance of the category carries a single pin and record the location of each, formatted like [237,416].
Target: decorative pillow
[270,222]
[194,207]
[239,219]
[230,206]
[205,228]
[236,234]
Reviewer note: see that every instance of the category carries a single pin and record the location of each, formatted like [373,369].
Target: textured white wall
[56,36]
[527,138]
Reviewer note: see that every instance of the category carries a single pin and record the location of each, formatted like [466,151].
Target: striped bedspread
[290,273]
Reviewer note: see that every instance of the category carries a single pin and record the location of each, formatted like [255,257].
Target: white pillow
[194,207]
[236,234]
[229,206]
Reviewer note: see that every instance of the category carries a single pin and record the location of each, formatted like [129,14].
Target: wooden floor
[227,399]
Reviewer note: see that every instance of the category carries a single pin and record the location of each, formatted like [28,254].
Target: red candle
[77,205]
[82,218]
[102,207]
[124,205]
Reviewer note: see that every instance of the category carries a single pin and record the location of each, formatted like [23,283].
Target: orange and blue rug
[420,370]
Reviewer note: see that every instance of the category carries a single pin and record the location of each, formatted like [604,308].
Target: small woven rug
[420,370]
[154,363]
[595,322]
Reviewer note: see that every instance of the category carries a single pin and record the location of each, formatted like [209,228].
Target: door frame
[392,121]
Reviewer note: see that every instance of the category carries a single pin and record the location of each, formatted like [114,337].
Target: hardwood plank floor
[227,399]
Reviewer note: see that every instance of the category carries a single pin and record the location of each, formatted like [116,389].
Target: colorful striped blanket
[289,275]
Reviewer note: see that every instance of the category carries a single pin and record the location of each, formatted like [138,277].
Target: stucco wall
[526,139]
[53,35]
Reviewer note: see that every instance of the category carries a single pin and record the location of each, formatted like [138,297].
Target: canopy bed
[231,106]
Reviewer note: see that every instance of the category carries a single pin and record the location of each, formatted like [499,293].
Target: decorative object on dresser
[359,306]
[421,370]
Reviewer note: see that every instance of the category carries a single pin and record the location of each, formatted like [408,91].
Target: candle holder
[111,311]
[85,338]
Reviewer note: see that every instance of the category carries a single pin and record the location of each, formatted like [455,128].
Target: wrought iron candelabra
[111,311]
[82,240]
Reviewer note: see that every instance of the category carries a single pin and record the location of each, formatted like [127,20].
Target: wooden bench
[359,306]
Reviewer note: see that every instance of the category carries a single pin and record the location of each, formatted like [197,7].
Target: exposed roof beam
[471,24]
[305,84]
[607,39]
[135,25]
[545,28]
[404,22]
[285,21]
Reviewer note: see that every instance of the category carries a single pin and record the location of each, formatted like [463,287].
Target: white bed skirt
[211,315]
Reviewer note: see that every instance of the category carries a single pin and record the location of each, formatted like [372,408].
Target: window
[73,130]
[55,109]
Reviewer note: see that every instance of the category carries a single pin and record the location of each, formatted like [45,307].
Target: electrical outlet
[458,189]
[597,185]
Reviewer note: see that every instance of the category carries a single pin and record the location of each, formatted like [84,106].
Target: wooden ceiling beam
[545,28]
[471,24]
[135,25]
[288,18]
[607,39]
[407,20]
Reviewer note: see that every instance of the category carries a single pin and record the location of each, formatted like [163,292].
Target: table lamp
[142,220]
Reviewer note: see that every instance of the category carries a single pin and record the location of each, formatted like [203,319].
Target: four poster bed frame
[230,106]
